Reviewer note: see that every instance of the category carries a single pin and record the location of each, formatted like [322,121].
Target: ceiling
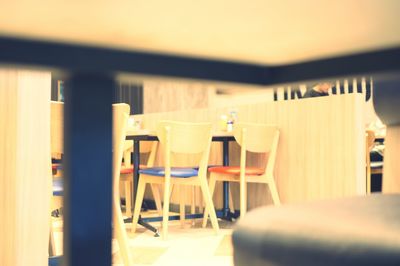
[256,31]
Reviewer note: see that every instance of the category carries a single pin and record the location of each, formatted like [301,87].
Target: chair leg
[212,182]
[157,198]
[121,236]
[128,195]
[243,198]
[193,207]
[209,204]
[172,187]
[368,180]
[167,195]
[182,195]
[52,240]
[274,192]
[138,203]
[200,201]
[231,206]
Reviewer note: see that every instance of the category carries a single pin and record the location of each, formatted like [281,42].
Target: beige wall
[165,96]
[321,151]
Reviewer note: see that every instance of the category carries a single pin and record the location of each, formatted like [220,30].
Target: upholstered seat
[55,261]
[129,170]
[58,189]
[352,231]
[175,172]
[235,170]
[56,166]
[376,165]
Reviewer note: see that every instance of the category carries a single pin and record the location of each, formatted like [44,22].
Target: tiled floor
[190,245]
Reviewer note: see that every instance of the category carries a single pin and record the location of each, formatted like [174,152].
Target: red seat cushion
[56,166]
[129,170]
[235,170]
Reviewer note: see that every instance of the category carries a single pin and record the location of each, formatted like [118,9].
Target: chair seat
[352,231]
[376,165]
[58,187]
[175,172]
[55,261]
[129,170]
[56,166]
[235,170]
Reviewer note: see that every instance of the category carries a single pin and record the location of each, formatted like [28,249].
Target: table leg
[225,162]
[226,214]
[136,163]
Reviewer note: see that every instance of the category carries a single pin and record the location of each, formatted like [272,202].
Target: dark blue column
[387,99]
[88,169]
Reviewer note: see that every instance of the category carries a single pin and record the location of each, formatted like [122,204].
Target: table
[145,135]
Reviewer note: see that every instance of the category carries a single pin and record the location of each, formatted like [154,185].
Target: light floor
[190,245]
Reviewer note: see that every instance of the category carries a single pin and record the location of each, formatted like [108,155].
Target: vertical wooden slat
[25,170]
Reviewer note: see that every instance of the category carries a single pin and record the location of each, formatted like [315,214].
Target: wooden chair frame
[182,138]
[149,147]
[259,138]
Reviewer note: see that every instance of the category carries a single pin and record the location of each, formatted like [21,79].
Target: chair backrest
[120,122]
[146,147]
[186,138]
[259,137]
[57,129]
[370,139]
[369,144]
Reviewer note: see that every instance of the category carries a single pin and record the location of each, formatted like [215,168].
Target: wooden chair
[146,147]
[369,144]
[257,138]
[179,138]
[57,149]
[120,121]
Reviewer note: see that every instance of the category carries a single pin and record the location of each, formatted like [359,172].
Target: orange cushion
[56,166]
[129,170]
[235,170]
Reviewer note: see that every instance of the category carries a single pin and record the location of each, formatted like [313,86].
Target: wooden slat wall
[166,96]
[25,167]
[321,150]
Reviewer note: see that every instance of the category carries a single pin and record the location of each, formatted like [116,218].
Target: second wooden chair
[179,138]
[256,138]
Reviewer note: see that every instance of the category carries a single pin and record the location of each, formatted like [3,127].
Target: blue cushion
[58,187]
[55,261]
[175,171]
[208,166]
[376,165]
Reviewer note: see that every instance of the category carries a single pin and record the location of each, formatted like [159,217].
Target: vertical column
[88,173]
[25,167]
[386,102]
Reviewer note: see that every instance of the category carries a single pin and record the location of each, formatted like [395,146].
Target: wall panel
[25,167]
[321,150]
